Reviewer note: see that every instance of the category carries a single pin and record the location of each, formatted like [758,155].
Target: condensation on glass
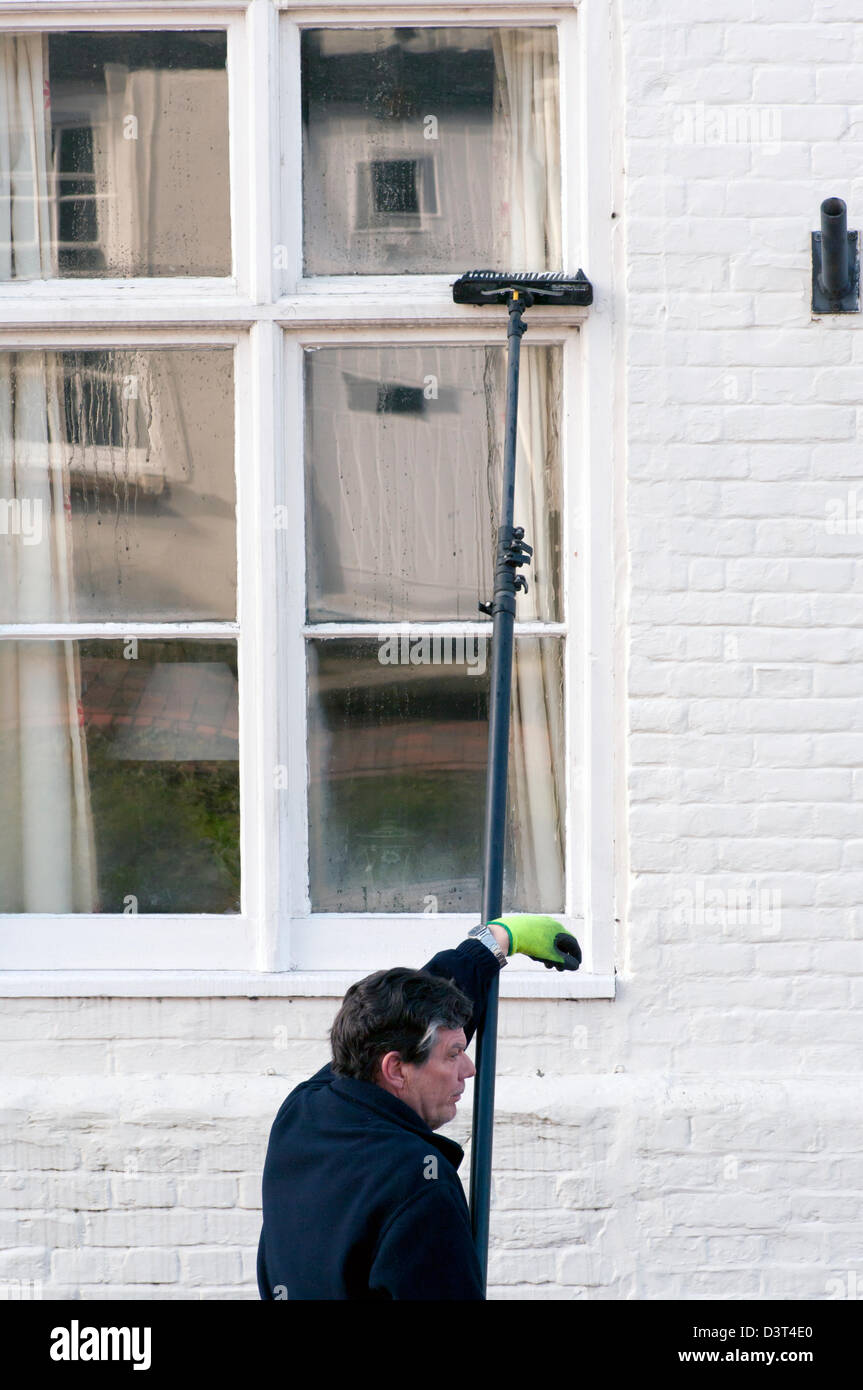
[430,150]
[119,776]
[398,735]
[403,476]
[114,155]
[117,485]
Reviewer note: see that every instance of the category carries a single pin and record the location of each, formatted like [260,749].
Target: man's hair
[396,1010]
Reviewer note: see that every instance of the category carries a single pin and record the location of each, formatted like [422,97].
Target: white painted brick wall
[745,657]
[700,1136]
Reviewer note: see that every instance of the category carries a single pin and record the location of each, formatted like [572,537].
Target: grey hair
[426,1044]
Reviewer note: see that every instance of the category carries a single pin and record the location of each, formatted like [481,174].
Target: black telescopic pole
[511,552]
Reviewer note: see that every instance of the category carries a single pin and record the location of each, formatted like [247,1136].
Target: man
[361,1197]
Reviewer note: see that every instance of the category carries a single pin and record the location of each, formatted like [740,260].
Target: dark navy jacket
[362,1200]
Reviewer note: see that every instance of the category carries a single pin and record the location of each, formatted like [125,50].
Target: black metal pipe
[494,833]
[835,264]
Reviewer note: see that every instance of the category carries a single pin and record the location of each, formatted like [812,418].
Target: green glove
[541,938]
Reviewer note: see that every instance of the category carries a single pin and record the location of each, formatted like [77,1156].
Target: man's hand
[541,938]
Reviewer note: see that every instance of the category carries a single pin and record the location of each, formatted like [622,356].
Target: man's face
[434,1088]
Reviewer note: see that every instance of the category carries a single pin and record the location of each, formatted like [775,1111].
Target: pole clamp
[512,551]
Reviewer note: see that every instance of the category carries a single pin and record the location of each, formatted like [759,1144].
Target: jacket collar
[391,1108]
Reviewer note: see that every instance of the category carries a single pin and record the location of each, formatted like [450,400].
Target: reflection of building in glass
[424,123]
[139,445]
[397,766]
[404,449]
[137,166]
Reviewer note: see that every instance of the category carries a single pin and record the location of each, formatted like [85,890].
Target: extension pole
[511,552]
[518,291]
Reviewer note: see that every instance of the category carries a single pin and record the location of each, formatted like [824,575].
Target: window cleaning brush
[534,287]
[518,290]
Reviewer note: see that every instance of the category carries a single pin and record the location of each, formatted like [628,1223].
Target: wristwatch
[487,938]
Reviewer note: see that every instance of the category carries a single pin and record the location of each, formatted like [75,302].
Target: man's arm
[472,967]
[426,1251]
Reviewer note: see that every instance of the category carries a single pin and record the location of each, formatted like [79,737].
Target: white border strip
[409,12]
[114,14]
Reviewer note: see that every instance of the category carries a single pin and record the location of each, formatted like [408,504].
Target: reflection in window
[114,155]
[117,494]
[77,220]
[395,192]
[119,776]
[451,142]
[394,182]
[403,474]
[398,739]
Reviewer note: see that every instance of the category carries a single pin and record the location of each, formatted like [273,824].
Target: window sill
[412,301]
[184,301]
[416,300]
[117,287]
[515,983]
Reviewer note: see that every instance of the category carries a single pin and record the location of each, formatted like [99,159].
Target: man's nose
[469,1068]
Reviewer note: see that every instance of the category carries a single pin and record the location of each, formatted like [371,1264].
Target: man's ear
[391,1070]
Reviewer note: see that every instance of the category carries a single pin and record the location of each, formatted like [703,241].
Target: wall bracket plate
[849,302]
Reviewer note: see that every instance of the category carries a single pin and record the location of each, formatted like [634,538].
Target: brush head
[539,287]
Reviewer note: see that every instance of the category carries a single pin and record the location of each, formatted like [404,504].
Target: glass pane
[398,741]
[404,464]
[119,776]
[430,150]
[114,155]
[117,494]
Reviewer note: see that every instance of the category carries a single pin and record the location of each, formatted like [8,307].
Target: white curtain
[147,165]
[47,855]
[26,241]
[528,104]
[536,776]
[125,166]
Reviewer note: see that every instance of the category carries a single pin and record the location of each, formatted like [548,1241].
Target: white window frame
[270,314]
